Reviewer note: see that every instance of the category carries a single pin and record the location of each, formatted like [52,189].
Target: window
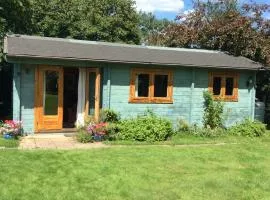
[151,86]
[224,85]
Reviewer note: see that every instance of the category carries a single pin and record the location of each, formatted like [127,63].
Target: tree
[151,27]
[15,16]
[99,20]
[223,25]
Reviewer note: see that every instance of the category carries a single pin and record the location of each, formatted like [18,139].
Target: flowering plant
[11,127]
[97,128]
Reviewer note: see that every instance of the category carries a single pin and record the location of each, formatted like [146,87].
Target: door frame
[97,92]
[38,109]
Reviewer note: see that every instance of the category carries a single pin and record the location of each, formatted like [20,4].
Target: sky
[170,8]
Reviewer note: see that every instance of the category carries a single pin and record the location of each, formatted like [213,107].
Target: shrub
[183,126]
[84,137]
[112,129]
[185,129]
[208,132]
[248,128]
[148,127]
[108,115]
[213,112]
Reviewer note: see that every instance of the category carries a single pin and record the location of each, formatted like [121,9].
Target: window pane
[142,85]
[92,92]
[160,86]
[216,85]
[51,93]
[229,86]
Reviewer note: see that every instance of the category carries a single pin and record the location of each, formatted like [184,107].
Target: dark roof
[21,46]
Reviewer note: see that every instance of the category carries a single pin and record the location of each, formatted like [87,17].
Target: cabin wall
[23,95]
[188,87]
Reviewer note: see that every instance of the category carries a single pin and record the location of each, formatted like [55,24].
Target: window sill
[151,101]
[226,99]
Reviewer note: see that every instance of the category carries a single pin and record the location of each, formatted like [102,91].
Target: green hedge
[142,128]
[248,128]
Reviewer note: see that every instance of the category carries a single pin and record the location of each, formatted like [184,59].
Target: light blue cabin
[59,82]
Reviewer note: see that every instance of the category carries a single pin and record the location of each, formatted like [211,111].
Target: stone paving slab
[55,141]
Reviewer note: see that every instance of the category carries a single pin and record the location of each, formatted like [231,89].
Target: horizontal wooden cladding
[151,99]
[224,75]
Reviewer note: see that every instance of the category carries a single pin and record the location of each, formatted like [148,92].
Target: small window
[142,85]
[224,85]
[160,87]
[217,85]
[150,86]
[229,86]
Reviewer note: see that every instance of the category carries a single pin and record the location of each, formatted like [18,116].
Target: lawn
[232,171]
[11,143]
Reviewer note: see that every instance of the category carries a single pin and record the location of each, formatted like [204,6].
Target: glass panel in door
[50,97]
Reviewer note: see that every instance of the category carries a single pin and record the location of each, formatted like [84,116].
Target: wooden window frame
[151,98]
[224,75]
[97,92]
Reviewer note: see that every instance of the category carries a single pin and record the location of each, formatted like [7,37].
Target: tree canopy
[223,25]
[151,27]
[102,20]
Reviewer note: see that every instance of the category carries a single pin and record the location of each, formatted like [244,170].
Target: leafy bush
[183,125]
[186,129]
[148,127]
[213,112]
[108,115]
[248,128]
[84,137]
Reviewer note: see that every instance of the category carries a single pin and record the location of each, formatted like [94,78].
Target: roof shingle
[70,49]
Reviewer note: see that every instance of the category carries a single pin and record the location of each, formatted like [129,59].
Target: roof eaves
[130,62]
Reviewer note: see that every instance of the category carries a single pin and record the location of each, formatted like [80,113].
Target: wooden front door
[49,98]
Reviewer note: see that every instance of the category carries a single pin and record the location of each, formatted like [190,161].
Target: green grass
[233,171]
[191,139]
[11,143]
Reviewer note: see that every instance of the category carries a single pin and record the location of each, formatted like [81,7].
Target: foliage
[109,115]
[151,27]
[248,128]
[15,16]
[11,127]
[148,127]
[103,20]
[97,128]
[213,111]
[112,130]
[183,125]
[184,128]
[92,131]
[241,30]
[84,137]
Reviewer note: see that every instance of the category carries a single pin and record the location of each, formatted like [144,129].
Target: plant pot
[98,138]
[8,136]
